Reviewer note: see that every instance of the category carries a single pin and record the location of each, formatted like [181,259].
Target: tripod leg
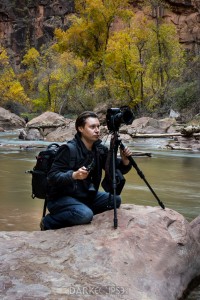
[114,190]
[44,208]
[143,177]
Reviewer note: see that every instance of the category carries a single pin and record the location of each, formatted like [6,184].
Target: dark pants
[67,211]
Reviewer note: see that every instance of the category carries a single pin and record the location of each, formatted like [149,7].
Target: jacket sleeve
[61,173]
[123,168]
[107,158]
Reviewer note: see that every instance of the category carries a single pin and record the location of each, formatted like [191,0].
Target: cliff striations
[31,23]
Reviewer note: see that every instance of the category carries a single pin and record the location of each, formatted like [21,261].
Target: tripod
[115,143]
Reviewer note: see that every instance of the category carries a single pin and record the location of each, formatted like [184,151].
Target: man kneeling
[73,194]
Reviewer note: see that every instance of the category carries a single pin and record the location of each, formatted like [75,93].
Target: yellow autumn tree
[28,77]
[142,61]
[10,87]
[125,63]
[53,79]
[107,54]
[90,30]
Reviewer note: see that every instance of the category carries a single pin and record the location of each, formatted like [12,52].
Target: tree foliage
[10,87]
[108,54]
[131,65]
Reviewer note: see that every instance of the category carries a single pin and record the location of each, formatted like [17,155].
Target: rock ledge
[153,254]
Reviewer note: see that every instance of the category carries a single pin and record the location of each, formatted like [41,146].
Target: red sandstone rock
[153,254]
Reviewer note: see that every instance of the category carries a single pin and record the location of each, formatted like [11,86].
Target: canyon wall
[185,15]
[31,23]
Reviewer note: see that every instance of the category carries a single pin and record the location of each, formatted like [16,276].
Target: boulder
[47,119]
[153,254]
[41,127]
[63,133]
[151,125]
[10,121]
[33,134]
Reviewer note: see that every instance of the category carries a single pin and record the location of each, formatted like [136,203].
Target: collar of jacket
[82,145]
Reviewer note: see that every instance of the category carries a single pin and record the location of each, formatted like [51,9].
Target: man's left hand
[124,155]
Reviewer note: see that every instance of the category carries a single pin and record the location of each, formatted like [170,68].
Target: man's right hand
[80,174]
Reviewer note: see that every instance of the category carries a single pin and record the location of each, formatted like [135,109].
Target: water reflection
[176,185]
[175,180]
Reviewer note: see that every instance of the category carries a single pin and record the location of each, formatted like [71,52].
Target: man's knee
[117,200]
[83,216]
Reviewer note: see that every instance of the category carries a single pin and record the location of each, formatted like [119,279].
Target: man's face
[90,132]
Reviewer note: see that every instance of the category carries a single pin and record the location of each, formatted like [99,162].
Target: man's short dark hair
[81,120]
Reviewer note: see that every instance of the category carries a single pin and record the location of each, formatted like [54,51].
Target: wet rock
[184,143]
[153,254]
[195,225]
[22,134]
[33,134]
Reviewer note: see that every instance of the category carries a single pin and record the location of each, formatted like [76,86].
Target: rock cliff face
[185,15]
[32,23]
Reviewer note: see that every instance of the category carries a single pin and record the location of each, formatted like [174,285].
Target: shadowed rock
[153,254]
[9,121]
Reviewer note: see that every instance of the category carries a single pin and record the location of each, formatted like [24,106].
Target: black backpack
[39,173]
[43,164]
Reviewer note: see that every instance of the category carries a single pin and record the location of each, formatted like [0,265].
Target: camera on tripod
[117,116]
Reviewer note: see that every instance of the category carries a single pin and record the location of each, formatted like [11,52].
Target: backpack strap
[73,152]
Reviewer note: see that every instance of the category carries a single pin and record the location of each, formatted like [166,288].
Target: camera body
[90,166]
[117,116]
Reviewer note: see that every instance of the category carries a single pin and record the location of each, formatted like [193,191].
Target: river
[173,175]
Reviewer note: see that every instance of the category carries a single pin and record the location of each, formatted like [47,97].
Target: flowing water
[173,175]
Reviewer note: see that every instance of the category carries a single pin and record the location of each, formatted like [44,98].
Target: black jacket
[71,158]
